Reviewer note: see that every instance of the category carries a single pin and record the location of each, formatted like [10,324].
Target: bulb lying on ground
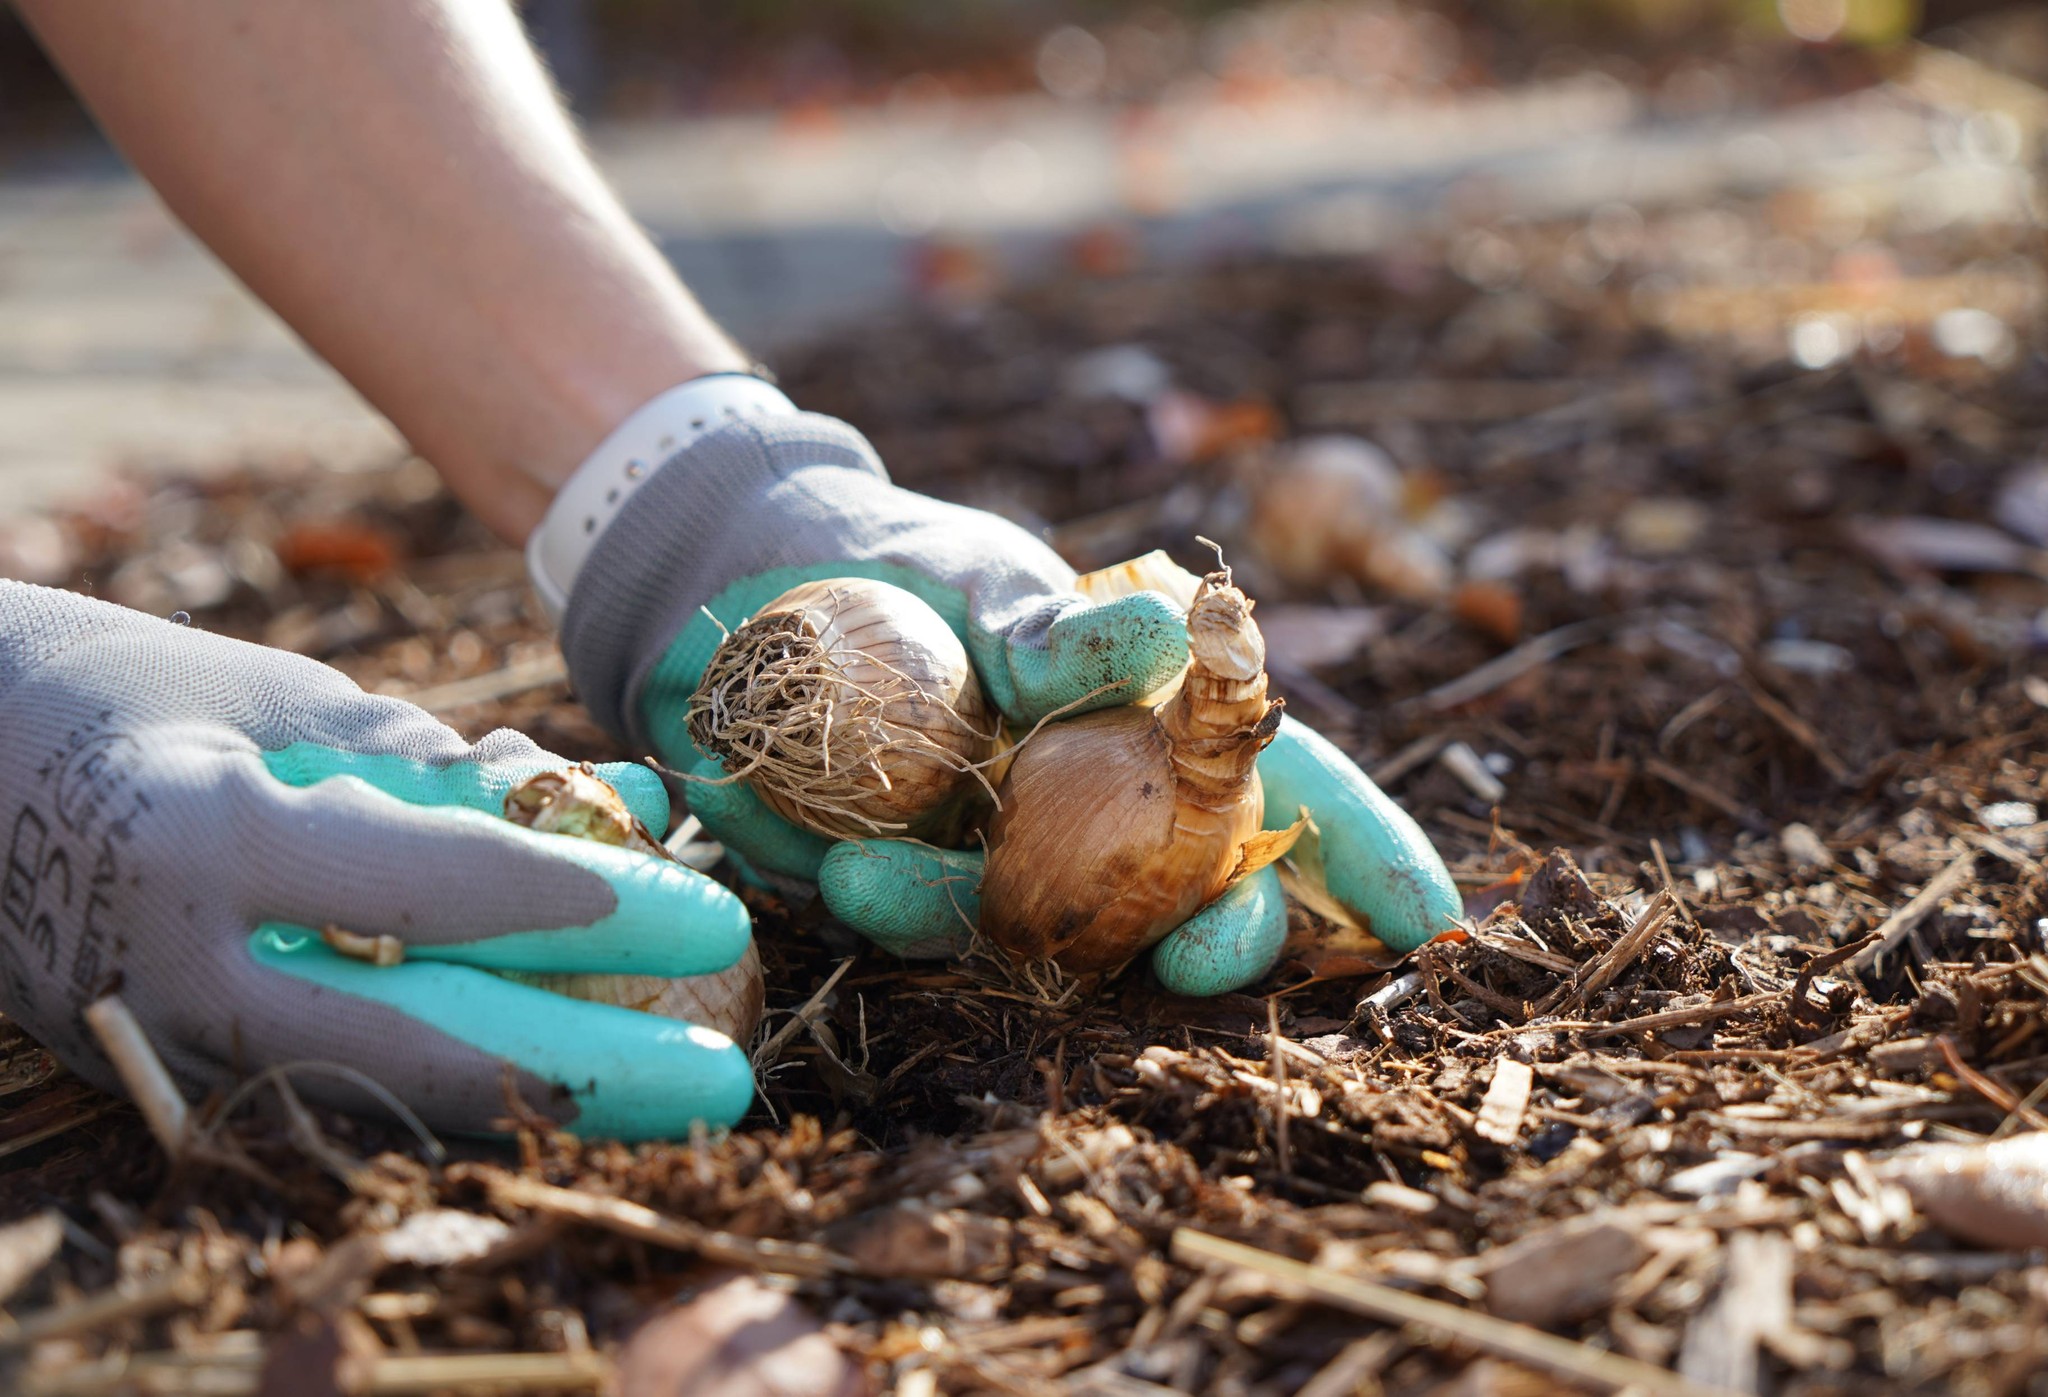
[850,708]
[578,804]
[1113,828]
[1334,506]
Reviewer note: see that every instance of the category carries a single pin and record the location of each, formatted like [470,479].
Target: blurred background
[807,163]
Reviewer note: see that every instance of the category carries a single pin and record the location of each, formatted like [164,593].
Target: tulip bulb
[578,804]
[1113,828]
[1331,507]
[850,708]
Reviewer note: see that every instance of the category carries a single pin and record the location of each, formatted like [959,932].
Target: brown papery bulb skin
[1114,828]
[1333,506]
[850,708]
[581,805]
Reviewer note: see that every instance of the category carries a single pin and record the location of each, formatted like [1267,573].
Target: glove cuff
[705,515]
[658,432]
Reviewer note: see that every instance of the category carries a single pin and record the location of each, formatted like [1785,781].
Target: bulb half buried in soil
[850,708]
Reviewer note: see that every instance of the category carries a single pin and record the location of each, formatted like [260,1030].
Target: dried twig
[1370,403]
[643,1224]
[1282,1103]
[1704,793]
[1681,1018]
[1899,925]
[1799,730]
[142,1072]
[86,1112]
[169,1292]
[1602,969]
[1607,1372]
[390,1375]
[1386,773]
[765,1055]
[1998,1094]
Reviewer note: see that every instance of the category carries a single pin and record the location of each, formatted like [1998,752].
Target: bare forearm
[396,178]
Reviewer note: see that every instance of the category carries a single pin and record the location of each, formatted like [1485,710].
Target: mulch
[1737,751]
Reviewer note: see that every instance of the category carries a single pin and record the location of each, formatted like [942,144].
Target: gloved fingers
[908,898]
[499,762]
[464,887]
[641,789]
[1230,943]
[441,1037]
[1071,651]
[1378,862]
[761,844]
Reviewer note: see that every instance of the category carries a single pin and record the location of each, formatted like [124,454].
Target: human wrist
[753,494]
[655,436]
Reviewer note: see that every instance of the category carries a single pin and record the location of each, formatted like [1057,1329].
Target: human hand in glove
[720,495]
[185,812]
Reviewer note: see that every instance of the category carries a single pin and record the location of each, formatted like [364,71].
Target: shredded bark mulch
[1729,718]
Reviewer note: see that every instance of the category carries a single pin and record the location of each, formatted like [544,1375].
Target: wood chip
[739,1338]
[26,1247]
[1507,1100]
[1565,1271]
[1993,1194]
[1724,1342]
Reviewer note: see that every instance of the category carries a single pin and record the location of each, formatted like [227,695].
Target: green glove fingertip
[758,840]
[1378,861]
[908,898]
[1230,943]
[665,919]
[642,791]
[1094,656]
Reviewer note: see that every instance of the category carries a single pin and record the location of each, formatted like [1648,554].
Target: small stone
[1804,850]
[441,1237]
[1662,527]
[2009,814]
[1818,658]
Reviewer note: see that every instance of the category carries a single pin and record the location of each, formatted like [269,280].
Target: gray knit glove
[183,812]
[719,496]
[763,499]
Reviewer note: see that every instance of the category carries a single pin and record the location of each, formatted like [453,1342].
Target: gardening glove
[1378,863]
[184,812]
[718,497]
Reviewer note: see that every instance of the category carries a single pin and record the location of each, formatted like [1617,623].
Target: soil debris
[1717,1092]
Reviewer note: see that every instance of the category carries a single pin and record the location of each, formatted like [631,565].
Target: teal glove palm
[756,506]
[184,812]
